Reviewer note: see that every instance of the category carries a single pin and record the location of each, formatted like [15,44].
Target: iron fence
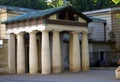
[106,59]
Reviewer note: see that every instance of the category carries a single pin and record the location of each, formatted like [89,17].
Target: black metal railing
[106,59]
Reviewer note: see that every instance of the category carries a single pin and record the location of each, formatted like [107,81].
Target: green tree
[35,4]
[57,3]
[80,5]
[99,4]
[86,5]
[116,1]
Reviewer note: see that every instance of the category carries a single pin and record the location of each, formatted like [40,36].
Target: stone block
[117,73]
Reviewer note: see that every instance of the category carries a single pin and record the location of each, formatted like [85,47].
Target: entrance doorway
[101,55]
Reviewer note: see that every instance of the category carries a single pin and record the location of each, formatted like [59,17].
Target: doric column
[46,64]
[20,53]
[11,53]
[33,54]
[75,63]
[85,52]
[56,53]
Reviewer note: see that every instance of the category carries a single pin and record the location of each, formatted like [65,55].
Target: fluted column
[85,52]
[56,53]
[11,54]
[75,63]
[33,54]
[20,53]
[46,65]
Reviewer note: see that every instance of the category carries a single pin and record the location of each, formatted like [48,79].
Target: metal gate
[104,59]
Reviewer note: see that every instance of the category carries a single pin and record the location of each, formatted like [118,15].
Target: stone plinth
[117,73]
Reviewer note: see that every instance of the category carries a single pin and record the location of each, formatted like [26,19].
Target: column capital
[56,31]
[45,31]
[74,32]
[34,31]
[11,34]
[21,33]
[83,32]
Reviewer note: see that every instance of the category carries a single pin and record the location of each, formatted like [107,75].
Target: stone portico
[35,43]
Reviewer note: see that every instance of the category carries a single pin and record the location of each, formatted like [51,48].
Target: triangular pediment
[68,13]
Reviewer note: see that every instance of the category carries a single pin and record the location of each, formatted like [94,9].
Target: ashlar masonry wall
[116,27]
[4,57]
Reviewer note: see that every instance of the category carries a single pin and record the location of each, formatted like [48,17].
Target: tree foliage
[86,5]
[80,5]
[35,4]
[57,3]
[116,1]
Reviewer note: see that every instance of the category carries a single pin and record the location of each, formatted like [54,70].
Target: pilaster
[11,53]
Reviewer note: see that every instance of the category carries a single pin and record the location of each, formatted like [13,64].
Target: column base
[33,72]
[57,69]
[75,69]
[21,71]
[46,72]
[85,69]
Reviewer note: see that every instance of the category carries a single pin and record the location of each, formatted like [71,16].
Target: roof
[101,10]
[97,11]
[17,9]
[96,19]
[43,13]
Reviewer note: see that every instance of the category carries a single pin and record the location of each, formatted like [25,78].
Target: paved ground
[91,76]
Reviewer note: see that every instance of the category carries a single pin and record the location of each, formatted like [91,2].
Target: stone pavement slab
[91,76]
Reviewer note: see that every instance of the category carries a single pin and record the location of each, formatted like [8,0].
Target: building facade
[112,17]
[107,51]
[98,46]
[36,38]
[46,41]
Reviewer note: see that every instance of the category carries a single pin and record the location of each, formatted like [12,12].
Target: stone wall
[3,16]
[4,57]
[101,46]
[116,27]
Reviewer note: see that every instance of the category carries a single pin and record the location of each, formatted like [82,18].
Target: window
[1,43]
[68,15]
